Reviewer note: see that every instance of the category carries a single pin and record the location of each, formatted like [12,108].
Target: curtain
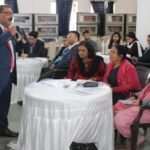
[110,7]
[63,8]
[14,5]
[98,6]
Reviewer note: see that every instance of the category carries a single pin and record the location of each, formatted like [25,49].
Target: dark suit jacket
[5,60]
[38,49]
[146,56]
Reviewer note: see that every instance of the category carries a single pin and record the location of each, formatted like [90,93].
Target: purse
[90,84]
[81,146]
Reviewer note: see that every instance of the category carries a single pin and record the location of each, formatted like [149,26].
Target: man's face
[32,40]
[86,36]
[6,17]
[71,38]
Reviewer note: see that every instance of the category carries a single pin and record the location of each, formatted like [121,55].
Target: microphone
[21,32]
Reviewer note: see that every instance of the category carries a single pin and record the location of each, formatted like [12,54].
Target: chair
[143,74]
[136,124]
[143,64]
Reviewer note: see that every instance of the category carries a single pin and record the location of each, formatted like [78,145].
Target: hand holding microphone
[13,30]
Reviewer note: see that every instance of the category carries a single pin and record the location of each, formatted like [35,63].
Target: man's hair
[148,36]
[4,6]
[85,31]
[34,34]
[76,33]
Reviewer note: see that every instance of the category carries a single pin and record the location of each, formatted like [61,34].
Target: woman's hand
[135,102]
[94,79]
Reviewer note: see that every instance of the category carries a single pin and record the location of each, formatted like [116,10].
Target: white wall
[34,6]
[143,22]
[126,6]
[84,6]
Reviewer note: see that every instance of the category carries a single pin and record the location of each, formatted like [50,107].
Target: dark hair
[34,34]
[121,50]
[148,36]
[4,6]
[85,31]
[76,33]
[95,60]
[90,48]
[132,35]
[111,39]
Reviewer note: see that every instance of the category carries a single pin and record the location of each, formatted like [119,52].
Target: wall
[126,6]
[143,23]
[84,5]
[34,6]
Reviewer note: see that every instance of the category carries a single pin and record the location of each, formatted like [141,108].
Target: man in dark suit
[36,46]
[62,64]
[7,67]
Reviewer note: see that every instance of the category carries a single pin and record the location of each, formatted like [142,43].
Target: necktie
[12,53]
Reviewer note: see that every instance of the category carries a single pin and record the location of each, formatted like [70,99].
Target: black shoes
[8,133]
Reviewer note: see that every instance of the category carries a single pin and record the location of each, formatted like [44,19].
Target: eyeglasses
[7,13]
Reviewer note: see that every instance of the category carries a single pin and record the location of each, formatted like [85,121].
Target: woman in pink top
[125,116]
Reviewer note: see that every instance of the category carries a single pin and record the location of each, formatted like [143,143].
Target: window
[53,7]
[1,2]
[73,17]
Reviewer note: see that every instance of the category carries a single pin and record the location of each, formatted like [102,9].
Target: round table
[28,70]
[58,112]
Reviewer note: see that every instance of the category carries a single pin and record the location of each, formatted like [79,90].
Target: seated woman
[86,65]
[121,74]
[115,39]
[135,49]
[125,116]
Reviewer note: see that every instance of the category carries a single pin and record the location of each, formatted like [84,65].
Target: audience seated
[86,65]
[22,46]
[33,47]
[135,49]
[60,53]
[126,114]
[146,56]
[121,74]
[68,54]
[115,39]
[86,35]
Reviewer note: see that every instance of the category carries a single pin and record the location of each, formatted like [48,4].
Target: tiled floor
[14,123]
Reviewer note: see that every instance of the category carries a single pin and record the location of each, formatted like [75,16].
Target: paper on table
[60,83]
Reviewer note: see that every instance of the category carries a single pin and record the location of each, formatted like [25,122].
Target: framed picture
[22,19]
[130,28]
[46,19]
[91,28]
[115,19]
[110,29]
[131,19]
[87,18]
[26,29]
[45,31]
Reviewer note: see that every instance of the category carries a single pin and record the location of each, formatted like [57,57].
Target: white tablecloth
[28,70]
[106,57]
[54,116]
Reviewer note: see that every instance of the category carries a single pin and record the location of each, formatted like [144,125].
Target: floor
[14,123]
